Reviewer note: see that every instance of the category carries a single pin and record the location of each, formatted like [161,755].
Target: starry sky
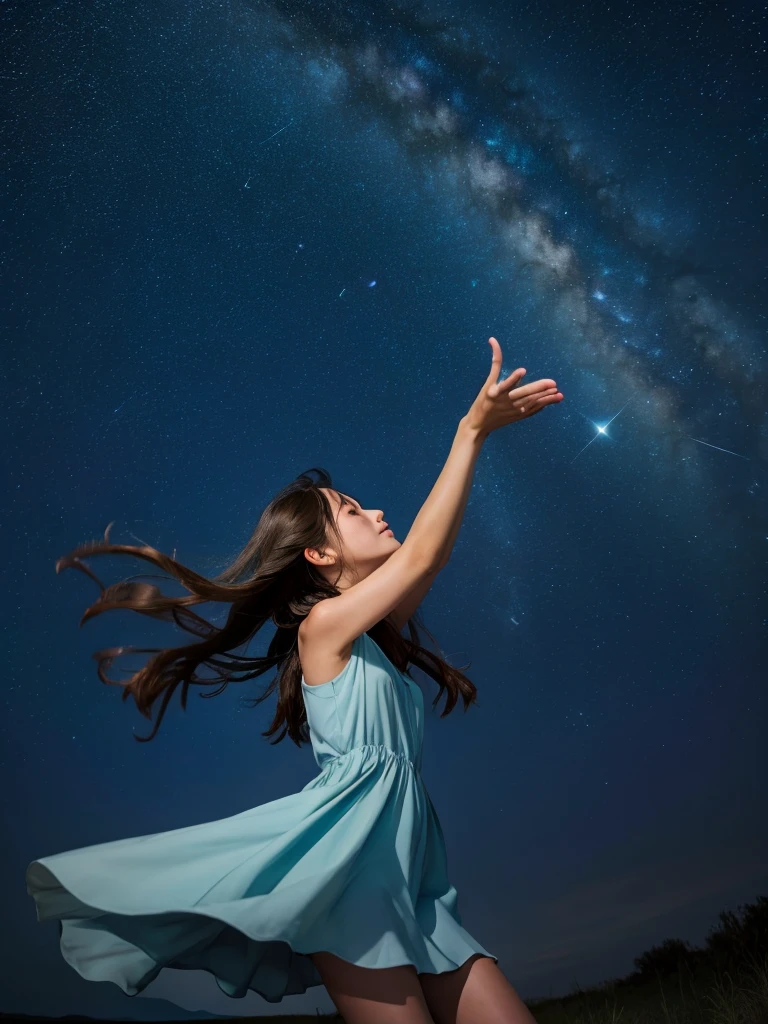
[242,239]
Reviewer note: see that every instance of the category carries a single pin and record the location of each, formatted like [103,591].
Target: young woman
[345,882]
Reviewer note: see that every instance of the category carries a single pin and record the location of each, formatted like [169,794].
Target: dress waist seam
[372,746]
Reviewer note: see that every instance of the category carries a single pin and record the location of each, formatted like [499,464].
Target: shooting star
[276,133]
[719,449]
[247,185]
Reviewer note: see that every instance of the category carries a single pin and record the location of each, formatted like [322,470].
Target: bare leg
[364,995]
[475,993]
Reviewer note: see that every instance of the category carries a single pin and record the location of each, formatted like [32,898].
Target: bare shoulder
[321,659]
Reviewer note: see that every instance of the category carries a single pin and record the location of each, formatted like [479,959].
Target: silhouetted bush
[664,959]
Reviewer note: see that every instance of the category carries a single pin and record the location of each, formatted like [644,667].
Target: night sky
[242,239]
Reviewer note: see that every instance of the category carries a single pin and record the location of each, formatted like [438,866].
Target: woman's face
[366,544]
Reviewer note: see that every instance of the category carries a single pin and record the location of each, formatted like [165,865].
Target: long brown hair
[269,579]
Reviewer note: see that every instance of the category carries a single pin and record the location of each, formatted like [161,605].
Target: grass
[706,997]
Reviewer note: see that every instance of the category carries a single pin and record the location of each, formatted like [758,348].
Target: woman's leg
[475,993]
[365,995]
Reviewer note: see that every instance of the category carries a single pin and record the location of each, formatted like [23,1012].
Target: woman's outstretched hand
[503,402]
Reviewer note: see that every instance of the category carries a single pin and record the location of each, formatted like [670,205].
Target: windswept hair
[269,579]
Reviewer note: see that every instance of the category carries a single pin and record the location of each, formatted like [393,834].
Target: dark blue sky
[197,201]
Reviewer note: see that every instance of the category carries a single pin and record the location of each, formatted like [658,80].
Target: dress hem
[138,987]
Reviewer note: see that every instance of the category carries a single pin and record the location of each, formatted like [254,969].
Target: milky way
[607,275]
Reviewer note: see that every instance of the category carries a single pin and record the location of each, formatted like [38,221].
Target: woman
[345,882]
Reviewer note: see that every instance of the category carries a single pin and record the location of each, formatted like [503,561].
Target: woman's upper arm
[410,603]
[336,621]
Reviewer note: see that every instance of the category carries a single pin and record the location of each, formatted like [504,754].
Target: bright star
[602,430]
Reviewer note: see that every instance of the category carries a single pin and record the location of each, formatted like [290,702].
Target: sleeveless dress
[354,863]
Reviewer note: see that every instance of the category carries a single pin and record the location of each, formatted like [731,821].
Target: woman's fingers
[513,378]
[525,400]
[540,393]
[517,375]
[496,360]
[539,402]
[525,390]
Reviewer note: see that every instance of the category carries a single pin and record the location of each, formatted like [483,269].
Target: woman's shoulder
[321,660]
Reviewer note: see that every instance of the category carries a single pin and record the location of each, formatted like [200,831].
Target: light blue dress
[354,863]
